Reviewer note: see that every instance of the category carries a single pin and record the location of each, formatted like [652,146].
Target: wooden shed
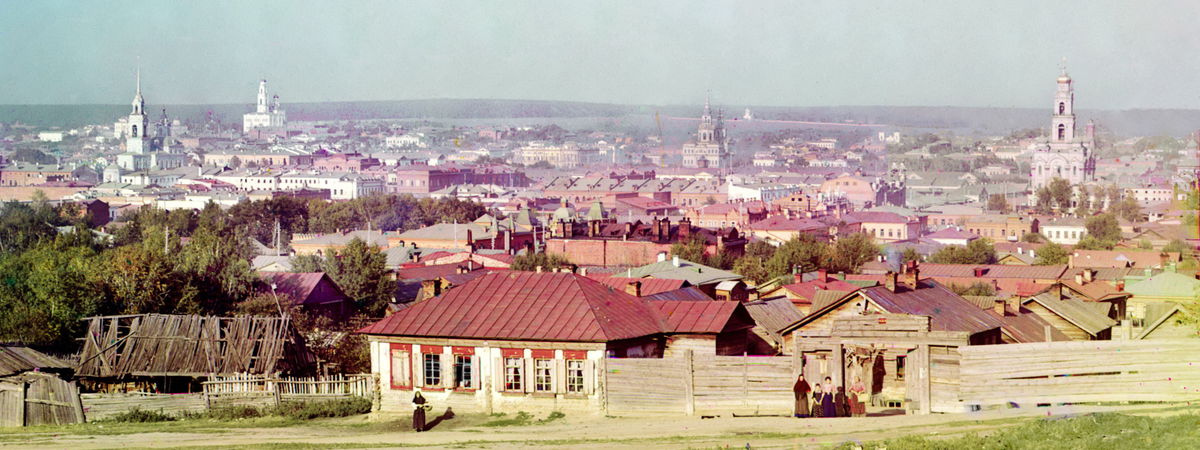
[175,351]
[33,390]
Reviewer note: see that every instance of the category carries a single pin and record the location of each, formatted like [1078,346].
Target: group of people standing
[828,401]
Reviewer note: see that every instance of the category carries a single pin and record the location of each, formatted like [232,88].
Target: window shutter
[589,376]
[418,369]
[560,376]
[498,374]
[529,378]
[447,370]
[476,373]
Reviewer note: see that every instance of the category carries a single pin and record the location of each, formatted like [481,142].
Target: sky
[1122,55]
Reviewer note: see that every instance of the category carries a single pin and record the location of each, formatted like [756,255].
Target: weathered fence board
[101,406]
[1080,371]
[701,385]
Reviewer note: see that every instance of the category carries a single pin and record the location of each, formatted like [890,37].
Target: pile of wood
[153,345]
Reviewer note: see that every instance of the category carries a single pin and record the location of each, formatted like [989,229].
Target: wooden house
[314,292]
[537,341]
[1078,319]
[1163,322]
[34,389]
[174,352]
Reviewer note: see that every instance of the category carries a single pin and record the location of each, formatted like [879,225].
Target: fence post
[689,383]
[21,403]
[923,382]
[602,380]
[838,361]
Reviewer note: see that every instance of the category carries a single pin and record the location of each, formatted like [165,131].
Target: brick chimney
[889,281]
[912,274]
[822,275]
[999,307]
[685,228]
[978,272]
[634,288]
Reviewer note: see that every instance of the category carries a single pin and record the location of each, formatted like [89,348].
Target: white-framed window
[575,376]
[513,376]
[543,372]
[433,369]
[464,372]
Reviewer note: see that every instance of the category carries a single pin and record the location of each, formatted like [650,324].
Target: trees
[851,252]
[1092,243]
[1033,238]
[803,252]
[979,251]
[753,268]
[1051,254]
[691,249]
[977,288]
[760,249]
[1104,227]
[910,254]
[1127,208]
[361,271]
[549,262]
[997,202]
[1060,193]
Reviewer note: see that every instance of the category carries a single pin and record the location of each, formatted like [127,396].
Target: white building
[50,136]
[1064,155]
[411,140]
[266,115]
[710,147]
[1064,231]
[143,151]
[341,185]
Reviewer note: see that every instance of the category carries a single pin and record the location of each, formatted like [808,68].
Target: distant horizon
[973,54]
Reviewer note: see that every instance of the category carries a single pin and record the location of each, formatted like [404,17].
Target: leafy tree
[979,251]
[803,253]
[1104,227]
[46,290]
[997,202]
[692,249]
[1033,238]
[753,268]
[760,249]
[1060,193]
[910,254]
[1176,246]
[235,162]
[22,227]
[307,263]
[1145,244]
[1091,243]
[1127,208]
[851,252]
[549,262]
[1083,202]
[1051,254]
[1045,200]
[541,165]
[32,156]
[361,271]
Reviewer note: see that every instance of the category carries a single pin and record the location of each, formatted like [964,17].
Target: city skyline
[768,55]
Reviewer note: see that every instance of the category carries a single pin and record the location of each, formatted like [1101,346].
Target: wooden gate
[34,398]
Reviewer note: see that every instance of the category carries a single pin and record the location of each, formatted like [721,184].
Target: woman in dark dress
[418,411]
[839,399]
[828,405]
[801,389]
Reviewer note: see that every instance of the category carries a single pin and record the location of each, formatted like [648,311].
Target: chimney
[662,256]
[911,276]
[1162,259]
[1088,275]
[1121,285]
[999,307]
[675,260]
[978,272]
[470,240]
[889,280]
[634,288]
[628,229]
[1079,278]
[538,269]
[841,275]
[822,275]
[508,242]
[685,228]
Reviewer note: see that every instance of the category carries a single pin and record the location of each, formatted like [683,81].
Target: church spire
[139,104]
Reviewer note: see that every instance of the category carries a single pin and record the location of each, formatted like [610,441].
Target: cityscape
[470,235]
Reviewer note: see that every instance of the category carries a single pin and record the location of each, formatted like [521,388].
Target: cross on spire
[1063,65]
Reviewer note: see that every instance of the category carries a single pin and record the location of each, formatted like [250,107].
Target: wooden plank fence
[704,385]
[248,388]
[1080,372]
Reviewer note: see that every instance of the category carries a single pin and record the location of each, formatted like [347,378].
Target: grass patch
[522,418]
[139,415]
[315,410]
[1093,431]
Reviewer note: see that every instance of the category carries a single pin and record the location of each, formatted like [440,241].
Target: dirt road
[580,432]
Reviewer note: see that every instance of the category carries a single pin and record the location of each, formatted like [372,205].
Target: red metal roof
[808,289]
[993,271]
[527,306]
[427,272]
[696,317]
[650,286]
[299,286]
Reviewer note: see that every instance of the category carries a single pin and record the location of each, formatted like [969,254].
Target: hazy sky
[1135,54]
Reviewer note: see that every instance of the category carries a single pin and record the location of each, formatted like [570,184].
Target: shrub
[331,408]
[139,415]
[228,413]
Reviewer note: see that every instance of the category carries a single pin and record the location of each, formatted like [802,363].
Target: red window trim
[574,354]
[542,353]
[431,349]
[392,380]
[512,352]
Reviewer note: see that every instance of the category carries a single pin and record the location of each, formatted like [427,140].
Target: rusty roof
[1085,315]
[18,358]
[993,271]
[299,286]
[947,311]
[690,293]
[650,286]
[697,317]
[527,306]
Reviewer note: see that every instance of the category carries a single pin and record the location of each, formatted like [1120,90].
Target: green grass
[522,418]
[1092,431]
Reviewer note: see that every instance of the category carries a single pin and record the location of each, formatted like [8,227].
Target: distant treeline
[1137,122]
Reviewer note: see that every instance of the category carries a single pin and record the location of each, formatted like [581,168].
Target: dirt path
[581,432]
